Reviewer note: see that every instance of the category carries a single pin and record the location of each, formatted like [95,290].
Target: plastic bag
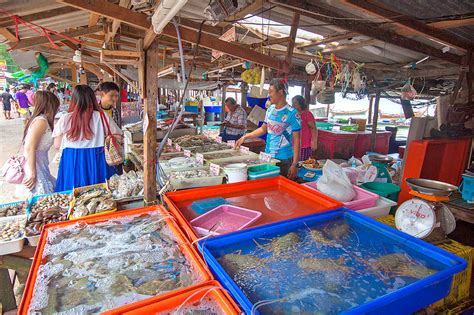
[335,183]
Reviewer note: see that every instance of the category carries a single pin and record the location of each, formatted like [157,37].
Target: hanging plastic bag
[335,183]
[408,92]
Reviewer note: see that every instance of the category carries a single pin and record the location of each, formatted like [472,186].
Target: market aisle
[11,133]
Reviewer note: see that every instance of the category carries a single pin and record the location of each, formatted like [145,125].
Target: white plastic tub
[382,208]
[16,245]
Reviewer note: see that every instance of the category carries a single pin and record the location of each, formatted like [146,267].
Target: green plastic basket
[263,171]
[351,128]
[324,125]
[386,190]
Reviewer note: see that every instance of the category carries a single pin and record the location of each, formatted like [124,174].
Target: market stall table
[20,263]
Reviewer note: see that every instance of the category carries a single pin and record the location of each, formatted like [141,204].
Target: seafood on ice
[94,267]
[126,185]
[91,201]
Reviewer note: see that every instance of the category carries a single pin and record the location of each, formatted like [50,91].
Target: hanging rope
[42,31]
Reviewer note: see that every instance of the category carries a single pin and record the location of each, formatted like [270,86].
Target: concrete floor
[11,134]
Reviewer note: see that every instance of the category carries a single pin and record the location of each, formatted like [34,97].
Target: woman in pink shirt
[309,133]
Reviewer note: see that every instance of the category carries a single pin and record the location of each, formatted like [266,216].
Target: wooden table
[461,209]
[20,263]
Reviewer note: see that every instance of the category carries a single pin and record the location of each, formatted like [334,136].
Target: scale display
[416,217]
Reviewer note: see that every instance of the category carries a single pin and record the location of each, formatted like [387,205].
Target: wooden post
[293,30]
[83,77]
[149,123]
[375,119]
[371,105]
[118,105]
[244,89]
[74,77]
[223,104]
[307,92]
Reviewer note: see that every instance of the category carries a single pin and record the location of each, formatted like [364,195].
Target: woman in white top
[38,140]
[80,135]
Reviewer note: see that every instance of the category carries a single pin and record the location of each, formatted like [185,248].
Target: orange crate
[186,248]
[171,301]
[309,200]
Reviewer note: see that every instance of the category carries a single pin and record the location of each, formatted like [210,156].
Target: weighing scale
[379,170]
[425,216]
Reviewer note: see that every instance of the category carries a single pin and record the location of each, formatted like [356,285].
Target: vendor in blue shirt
[282,126]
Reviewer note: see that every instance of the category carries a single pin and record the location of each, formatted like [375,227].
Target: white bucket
[236,172]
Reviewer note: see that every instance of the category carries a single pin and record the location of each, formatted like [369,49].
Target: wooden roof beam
[116,23]
[93,19]
[36,41]
[141,21]
[8,35]
[328,40]
[364,43]
[410,23]
[366,28]
[6,22]
[452,23]
[293,30]
[272,41]
[123,76]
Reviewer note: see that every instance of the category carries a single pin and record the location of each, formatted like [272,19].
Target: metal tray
[381,158]
[431,187]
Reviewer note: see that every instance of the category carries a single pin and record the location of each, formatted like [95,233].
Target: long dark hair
[83,105]
[45,103]
[301,101]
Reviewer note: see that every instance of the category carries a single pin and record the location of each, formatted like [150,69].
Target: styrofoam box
[382,208]
[16,245]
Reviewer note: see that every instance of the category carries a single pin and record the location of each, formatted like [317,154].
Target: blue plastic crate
[366,235]
[33,199]
[212,109]
[204,205]
[467,188]
[254,101]
[4,205]
[191,109]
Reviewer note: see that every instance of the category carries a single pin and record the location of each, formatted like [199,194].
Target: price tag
[215,169]
[265,157]
[170,142]
[231,143]
[200,158]
[187,153]
[177,147]
[219,139]
[244,150]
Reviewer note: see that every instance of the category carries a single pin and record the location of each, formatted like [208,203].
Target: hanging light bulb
[77,55]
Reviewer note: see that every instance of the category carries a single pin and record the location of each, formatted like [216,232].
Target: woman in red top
[309,133]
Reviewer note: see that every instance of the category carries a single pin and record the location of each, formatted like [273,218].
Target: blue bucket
[467,188]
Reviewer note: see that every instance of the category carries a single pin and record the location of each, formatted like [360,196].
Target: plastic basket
[405,300]
[212,109]
[309,201]
[324,125]
[15,245]
[350,128]
[381,208]
[254,101]
[81,189]
[263,171]
[33,240]
[363,198]
[460,288]
[25,205]
[198,265]
[386,190]
[467,188]
[191,109]
[203,206]
[169,303]
[224,219]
